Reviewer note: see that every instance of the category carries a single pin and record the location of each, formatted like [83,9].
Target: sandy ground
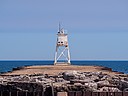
[55,69]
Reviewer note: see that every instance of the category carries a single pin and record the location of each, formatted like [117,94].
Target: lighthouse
[62,54]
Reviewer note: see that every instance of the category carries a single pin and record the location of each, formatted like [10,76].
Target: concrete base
[62,63]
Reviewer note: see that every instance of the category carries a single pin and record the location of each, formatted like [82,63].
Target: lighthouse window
[58,42]
[61,42]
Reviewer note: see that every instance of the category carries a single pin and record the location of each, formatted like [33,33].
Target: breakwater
[63,82]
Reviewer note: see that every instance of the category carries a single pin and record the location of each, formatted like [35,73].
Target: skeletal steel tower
[62,54]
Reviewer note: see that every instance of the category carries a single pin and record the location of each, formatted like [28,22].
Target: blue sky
[98,29]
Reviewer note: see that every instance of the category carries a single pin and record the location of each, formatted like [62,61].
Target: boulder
[94,77]
[92,86]
[69,75]
[123,85]
[102,83]
[109,89]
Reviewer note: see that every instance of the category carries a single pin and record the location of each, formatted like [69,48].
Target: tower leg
[55,61]
[68,56]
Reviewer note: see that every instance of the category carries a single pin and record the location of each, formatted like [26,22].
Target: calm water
[121,66]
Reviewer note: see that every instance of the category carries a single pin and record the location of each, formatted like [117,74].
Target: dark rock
[17,68]
[106,68]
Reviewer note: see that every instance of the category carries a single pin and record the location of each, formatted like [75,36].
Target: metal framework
[62,54]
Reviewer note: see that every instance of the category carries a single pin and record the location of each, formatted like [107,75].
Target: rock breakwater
[65,81]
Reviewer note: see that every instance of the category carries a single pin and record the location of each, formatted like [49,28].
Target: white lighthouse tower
[62,54]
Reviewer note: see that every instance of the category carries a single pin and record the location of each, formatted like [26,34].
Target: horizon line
[71,60]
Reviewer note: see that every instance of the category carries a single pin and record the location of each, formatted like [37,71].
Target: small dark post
[94,93]
[9,93]
[125,93]
[118,94]
[87,93]
[33,93]
[72,93]
[26,93]
[78,93]
[111,94]
[43,91]
[52,88]
[16,93]
[102,93]
[1,93]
